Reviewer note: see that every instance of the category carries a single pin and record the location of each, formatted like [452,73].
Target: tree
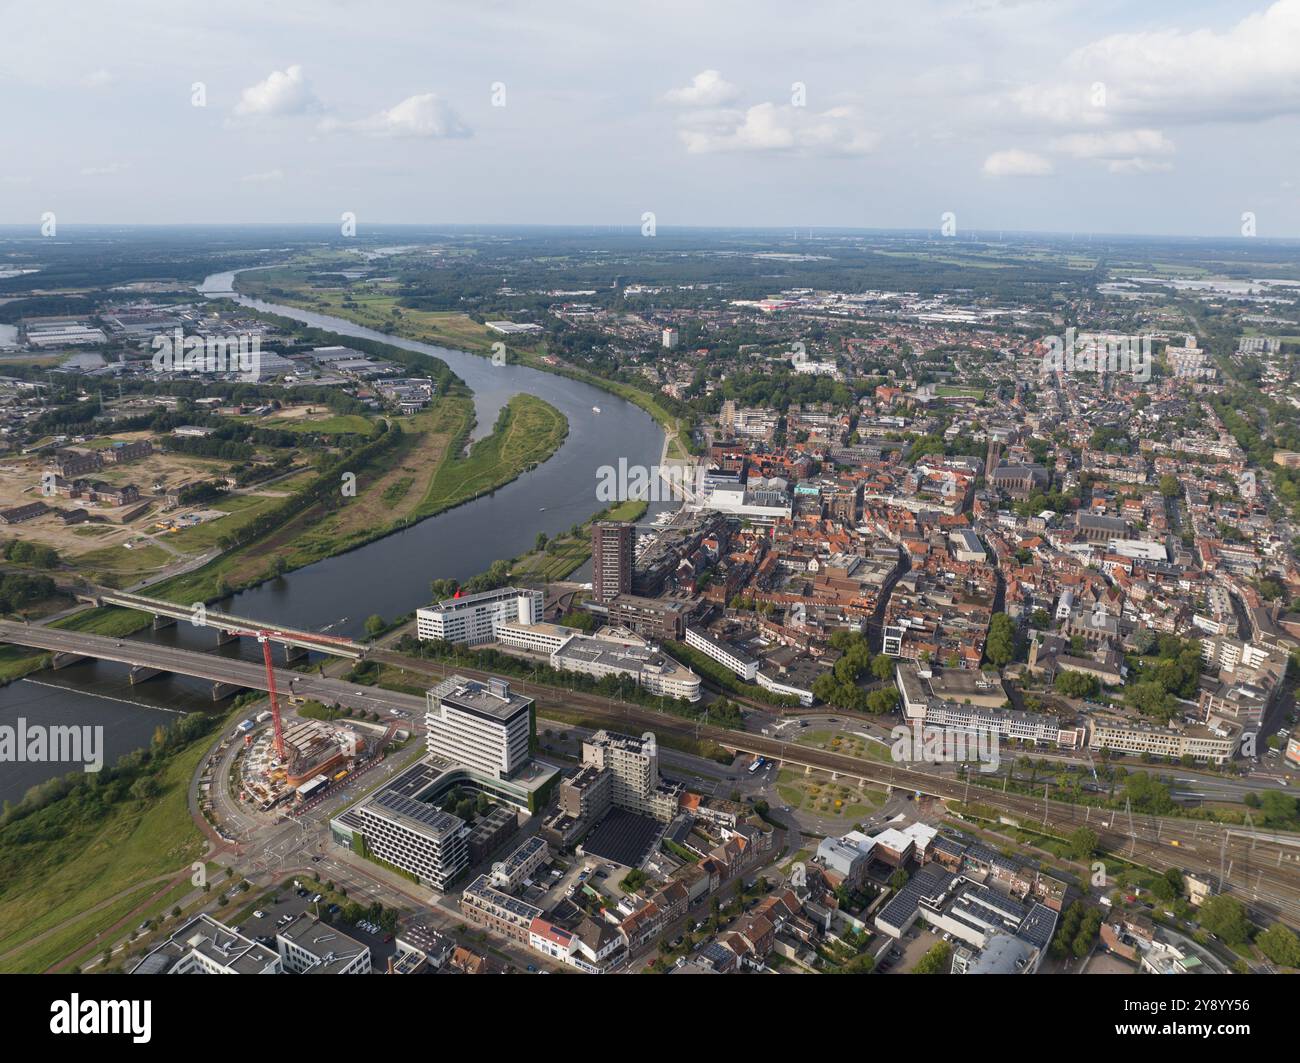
[374,624]
[1144,640]
[1169,486]
[1279,809]
[1076,684]
[1225,917]
[937,961]
[1280,945]
[1000,646]
[1083,842]
[882,667]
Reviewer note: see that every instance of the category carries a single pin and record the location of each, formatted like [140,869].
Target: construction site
[312,749]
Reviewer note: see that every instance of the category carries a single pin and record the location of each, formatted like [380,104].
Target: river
[389,576]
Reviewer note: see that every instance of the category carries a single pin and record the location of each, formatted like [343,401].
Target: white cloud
[707,89]
[265,176]
[1015,162]
[97,79]
[1138,165]
[1118,144]
[1246,72]
[767,127]
[105,171]
[1125,151]
[426,116]
[284,92]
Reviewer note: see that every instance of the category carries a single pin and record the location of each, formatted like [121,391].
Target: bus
[756,765]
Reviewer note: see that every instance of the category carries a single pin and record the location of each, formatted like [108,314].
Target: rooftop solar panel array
[416,811]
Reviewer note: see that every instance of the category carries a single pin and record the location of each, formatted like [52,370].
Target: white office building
[419,838]
[308,946]
[205,946]
[724,653]
[472,618]
[480,725]
[650,667]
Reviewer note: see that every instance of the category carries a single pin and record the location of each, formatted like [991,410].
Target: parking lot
[915,944]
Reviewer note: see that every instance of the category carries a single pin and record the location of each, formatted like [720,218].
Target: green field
[339,423]
[819,795]
[427,457]
[566,553]
[372,304]
[528,432]
[57,864]
[116,566]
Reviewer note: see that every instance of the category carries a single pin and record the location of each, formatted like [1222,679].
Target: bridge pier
[64,660]
[226,636]
[223,690]
[139,673]
[293,653]
[161,621]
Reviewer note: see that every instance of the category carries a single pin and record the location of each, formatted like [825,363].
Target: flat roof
[494,700]
[424,819]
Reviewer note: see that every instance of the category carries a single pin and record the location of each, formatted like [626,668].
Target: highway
[232,671]
[309,640]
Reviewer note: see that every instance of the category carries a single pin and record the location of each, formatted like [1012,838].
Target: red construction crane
[266,638]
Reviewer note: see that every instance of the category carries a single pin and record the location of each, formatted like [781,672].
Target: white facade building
[419,838]
[483,726]
[652,669]
[472,618]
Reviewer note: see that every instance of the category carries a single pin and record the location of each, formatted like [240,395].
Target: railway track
[1263,874]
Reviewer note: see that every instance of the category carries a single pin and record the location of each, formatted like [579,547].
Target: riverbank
[425,475]
[382,312]
[96,846]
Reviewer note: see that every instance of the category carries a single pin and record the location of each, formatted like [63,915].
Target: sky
[1047,115]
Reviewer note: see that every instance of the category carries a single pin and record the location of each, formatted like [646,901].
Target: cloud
[1015,162]
[707,89]
[1114,145]
[767,127]
[97,79]
[1138,165]
[283,93]
[265,176]
[1126,151]
[1249,71]
[425,116]
[105,171]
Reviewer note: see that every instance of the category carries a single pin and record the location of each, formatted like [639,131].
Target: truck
[312,787]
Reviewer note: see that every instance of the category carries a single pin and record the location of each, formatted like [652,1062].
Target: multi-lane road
[229,671]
